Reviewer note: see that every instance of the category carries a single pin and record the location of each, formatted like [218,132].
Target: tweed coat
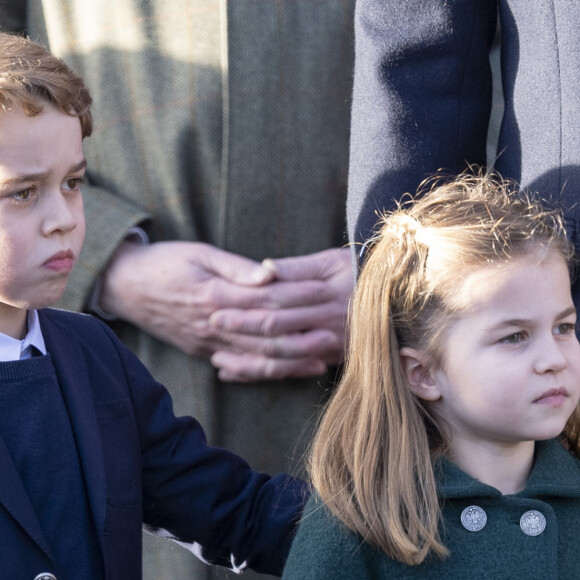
[422,98]
[325,549]
[221,121]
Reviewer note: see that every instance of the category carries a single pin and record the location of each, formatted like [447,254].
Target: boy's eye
[23,195]
[564,328]
[514,338]
[74,183]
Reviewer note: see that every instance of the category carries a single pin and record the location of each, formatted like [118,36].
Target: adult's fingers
[249,368]
[320,344]
[317,266]
[267,322]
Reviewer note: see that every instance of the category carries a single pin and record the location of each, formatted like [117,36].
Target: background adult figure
[221,128]
[423,92]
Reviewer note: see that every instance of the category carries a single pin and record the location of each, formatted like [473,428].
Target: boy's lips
[552,397]
[61,261]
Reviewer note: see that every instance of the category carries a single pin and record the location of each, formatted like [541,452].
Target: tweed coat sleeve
[421,98]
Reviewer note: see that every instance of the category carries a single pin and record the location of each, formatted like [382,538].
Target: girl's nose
[550,357]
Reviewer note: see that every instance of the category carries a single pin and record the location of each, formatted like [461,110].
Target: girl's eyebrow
[24,177]
[525,321]
[567,312]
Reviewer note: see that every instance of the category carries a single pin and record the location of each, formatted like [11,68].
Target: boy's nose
[59,215]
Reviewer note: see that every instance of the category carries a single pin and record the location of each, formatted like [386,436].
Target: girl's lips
[61,261]
[553,397]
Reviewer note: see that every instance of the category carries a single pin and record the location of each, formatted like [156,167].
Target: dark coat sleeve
[207,495]
[421,98]
[161,468]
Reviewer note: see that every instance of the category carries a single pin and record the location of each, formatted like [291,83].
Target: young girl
[450,449]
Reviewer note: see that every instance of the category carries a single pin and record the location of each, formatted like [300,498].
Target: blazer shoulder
[60,327]
[82,345]
[75,321]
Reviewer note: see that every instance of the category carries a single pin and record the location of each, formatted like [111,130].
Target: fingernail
[270,265]
[261,275]
[217,321]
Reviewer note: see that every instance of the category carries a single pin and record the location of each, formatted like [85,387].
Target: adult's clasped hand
[281,318]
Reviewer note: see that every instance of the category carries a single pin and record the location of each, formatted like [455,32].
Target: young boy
[89,447]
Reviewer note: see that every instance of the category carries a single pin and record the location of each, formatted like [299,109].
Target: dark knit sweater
[324,548]
[35,427]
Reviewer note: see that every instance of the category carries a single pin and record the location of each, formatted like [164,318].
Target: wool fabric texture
[325,549]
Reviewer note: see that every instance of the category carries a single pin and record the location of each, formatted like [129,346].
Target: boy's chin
[51,295]
[46,301]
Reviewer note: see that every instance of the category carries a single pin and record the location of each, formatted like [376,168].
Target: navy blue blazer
[142,465]
[423,93]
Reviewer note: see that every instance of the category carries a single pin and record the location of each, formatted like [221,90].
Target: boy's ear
[418,369]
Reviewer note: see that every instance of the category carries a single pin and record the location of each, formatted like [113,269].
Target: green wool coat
[325,549]
[222,121]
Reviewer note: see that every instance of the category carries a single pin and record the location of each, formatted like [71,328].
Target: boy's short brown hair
[31,76]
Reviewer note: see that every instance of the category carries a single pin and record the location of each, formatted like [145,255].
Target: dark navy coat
[142,465]
[423,94]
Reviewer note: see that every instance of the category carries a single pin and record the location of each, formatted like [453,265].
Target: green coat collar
[556,472]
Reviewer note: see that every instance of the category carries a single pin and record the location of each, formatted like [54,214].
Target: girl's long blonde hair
[371,460]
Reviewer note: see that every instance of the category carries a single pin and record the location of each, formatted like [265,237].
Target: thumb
[316,266]
[238,269]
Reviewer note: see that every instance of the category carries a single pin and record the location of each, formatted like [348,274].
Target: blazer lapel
[14,498]
[69,362]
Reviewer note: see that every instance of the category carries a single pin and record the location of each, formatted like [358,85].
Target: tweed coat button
[533,523]
[473,518]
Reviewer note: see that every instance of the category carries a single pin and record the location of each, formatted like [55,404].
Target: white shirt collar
[14,349]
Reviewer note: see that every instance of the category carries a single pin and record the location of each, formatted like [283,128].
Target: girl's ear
[418,369]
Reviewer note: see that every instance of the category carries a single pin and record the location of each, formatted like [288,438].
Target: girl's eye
[514,338]
[565,328]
